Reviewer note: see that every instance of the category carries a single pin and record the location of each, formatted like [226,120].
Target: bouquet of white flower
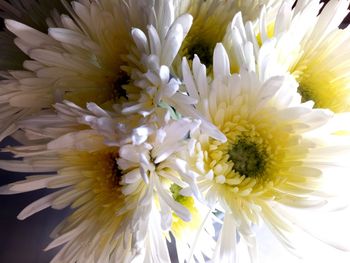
[162,118]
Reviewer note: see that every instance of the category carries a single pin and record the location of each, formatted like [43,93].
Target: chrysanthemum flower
[79,61]
[91,184]
[314,50]
[160,160]
[211,19]
[272,159]
[119,180]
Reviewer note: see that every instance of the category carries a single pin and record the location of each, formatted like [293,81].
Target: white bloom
[79,61]
[155,161]
[116,173]
[87,178]
[211,19]
[312,47]
[272,159]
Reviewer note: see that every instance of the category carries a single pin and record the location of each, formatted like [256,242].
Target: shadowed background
[23,241]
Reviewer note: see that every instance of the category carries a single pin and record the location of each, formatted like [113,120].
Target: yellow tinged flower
[271,158]
[314,50]
[111,181]
[210,20]
[90,183]
[323,73]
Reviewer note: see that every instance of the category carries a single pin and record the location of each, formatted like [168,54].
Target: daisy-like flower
[272,159]
[211,19]
[314,49]
[90,179]
[119,180]
[79,61]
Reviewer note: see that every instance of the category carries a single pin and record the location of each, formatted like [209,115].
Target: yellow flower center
[105,92]
[327,89]
[98,171]
[246,155]
[306,94]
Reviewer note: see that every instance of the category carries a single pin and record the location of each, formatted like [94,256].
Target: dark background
[23,241]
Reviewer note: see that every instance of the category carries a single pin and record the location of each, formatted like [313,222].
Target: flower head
[312,47]
[211,19]
[156,120]
[119,179]
[269,160]
[80,59]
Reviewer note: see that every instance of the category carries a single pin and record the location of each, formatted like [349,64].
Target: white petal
[221,62]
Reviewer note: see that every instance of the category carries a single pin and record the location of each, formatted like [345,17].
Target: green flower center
[247,158]
[305,94]
[175,190]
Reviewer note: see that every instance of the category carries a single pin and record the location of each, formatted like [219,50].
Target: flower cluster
[188,120]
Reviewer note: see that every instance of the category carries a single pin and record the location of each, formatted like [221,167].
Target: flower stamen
[247,158]
[118,90]
[305,94]
[202,50]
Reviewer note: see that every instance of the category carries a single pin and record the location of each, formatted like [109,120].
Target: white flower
[272,159]
[87,178]
[155,161]
[312,47]
[211,19]
[117,175]
[79,60]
